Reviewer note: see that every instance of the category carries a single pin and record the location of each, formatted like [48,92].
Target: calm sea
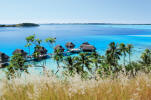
[98,35]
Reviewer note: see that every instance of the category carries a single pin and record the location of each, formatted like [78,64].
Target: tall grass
[49,87]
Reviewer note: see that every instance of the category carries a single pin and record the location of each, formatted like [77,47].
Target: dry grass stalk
[42,87]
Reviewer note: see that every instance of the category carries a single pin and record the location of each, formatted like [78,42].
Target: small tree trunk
[124,59]
[44,69]
[129,59]
[58,67]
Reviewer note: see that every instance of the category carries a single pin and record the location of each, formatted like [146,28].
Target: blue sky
[48,11]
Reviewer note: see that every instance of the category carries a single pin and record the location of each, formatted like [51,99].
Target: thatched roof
[86,43]
[70,45]
[87,47]
[42,50]
[3,56]
[59,47]
[83,44]
[20,51]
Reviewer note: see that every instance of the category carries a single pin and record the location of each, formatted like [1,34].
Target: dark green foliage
[87,64]
[17,65]
[129,51]
[146,57]
[93,63]
[83,61]
[123,50]
[30,39]
[50,41]
[36,54]
[113,54]
[58,57]
[70,65]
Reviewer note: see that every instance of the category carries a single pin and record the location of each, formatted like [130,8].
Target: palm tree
[85,61]
[123,50]
[30,39]
[70,64]
[81,62]
[28,45]
[50,41]
[58,57]
[38,42]
[17,65]
[146,57]
[77,64]
[96,60]
[112,55]
[38,45]
[129,51]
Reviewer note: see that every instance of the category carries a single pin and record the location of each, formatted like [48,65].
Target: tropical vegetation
[84,76]
[89,64]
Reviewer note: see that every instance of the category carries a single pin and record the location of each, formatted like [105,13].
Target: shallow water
[98,35]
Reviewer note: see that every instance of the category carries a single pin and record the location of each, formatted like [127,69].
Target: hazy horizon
[73,23]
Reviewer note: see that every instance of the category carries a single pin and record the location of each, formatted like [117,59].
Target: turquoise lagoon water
[98,35]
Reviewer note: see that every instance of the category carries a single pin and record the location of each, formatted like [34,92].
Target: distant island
[92,24]
[21,25]
[36,25]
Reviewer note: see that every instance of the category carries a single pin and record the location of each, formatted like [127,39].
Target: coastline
[35,25]
[20,25]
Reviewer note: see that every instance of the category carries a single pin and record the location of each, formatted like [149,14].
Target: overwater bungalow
[3,59]
[86,47]
[70,45]
[83,44]
[42,52]
[20,51]
[59,47]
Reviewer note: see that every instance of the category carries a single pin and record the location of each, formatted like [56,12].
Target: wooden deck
[76,50]
[31,58]
[2,65]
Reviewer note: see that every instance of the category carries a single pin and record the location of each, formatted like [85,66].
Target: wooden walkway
[51,54]
[31,58]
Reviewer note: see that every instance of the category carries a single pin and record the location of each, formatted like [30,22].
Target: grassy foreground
[49,87]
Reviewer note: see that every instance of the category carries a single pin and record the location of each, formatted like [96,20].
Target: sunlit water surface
[98,35]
